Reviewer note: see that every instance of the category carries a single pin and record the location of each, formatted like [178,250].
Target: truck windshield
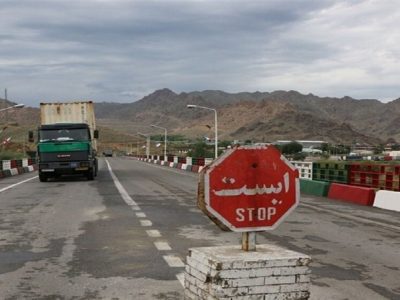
[64,134]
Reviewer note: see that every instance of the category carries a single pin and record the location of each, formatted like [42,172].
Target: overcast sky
[121,50]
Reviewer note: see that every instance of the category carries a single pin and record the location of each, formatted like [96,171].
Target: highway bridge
[126,235]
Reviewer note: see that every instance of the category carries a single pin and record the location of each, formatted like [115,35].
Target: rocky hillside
[257,116]
[261,116]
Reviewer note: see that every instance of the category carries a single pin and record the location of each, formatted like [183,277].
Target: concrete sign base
[228,272]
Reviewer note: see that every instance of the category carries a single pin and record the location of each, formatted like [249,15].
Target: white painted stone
[181,278]
[232,257]
[227,272]
[201,276]
[238,282]
[298,287]
[291,271]
[280,280]
[264,289]
[198,266]
[286,296]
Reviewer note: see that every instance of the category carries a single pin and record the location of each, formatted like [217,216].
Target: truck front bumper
[73,167]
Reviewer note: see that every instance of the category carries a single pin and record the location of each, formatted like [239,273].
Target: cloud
[122,50]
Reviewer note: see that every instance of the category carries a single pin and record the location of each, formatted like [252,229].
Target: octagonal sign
[251,188]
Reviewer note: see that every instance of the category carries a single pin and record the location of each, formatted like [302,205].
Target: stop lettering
[251,188]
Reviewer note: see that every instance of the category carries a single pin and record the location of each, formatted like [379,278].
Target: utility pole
[5,94]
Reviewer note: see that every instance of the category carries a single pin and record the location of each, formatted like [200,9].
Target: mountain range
[259,116]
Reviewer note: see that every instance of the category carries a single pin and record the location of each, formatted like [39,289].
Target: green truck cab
[67,140]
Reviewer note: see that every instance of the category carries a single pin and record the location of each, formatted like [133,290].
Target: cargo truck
[67,140]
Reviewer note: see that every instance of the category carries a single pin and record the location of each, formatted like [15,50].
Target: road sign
[251,188]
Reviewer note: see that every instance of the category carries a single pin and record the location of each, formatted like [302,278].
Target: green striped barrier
[315,188]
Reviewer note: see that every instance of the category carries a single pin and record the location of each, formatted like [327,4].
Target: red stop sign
[251,188]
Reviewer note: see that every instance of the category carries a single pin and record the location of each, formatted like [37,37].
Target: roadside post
[248,190]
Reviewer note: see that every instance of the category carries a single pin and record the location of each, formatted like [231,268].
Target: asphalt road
[79,239]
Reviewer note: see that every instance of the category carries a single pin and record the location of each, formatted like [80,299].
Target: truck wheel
[42,178]
[96,168]
[90,174]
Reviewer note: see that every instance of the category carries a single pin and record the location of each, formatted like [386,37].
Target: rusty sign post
[249,189]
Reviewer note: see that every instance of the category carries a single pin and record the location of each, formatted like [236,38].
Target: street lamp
[215,121]
[147,143]
[14,106]
[165,139]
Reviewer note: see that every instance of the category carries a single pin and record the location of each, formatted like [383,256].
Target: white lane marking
[162,246]
[141,215]
[145,223]
[153,233]
[173,261]
[181,278]
[128,200]
[18,183]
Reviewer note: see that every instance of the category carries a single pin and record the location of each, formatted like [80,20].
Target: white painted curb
[387,200]
[14,171]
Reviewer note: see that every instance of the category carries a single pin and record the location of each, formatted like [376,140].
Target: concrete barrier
[353,194]
[25,162]
[7,173]
[387,200]
[6,164]
[16,167]
[313,187]
[14,171]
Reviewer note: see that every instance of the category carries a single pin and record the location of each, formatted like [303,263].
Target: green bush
[8,155]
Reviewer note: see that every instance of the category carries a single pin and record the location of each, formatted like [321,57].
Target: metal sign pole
[249,241]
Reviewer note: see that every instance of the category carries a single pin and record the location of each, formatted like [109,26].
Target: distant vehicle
[66,140]
[108,152]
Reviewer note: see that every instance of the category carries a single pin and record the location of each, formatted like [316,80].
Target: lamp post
[14,106]
[215,121]
[147,143]
[7,108]
[165,139]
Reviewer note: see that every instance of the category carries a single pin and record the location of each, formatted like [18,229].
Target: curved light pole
[215,121]
[165,139]
[14,106]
